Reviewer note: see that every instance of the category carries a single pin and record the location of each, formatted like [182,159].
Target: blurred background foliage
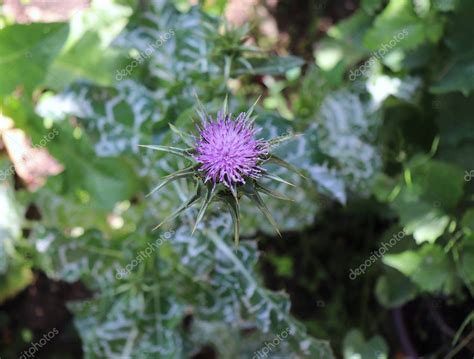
[386,143]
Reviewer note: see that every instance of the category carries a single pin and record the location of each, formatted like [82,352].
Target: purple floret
[228,150]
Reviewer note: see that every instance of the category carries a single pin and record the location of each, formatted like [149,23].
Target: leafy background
[390,150]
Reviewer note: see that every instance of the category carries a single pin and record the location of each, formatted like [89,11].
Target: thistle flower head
[226,161]
[228,150]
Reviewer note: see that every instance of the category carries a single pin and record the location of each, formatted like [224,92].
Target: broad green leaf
[393,289]
[355,346]
[26,52]
[398,26]
[88,54]
[424,204]
[86,60]
[459,77]
[384,187]
[468,220]
[371,6]
[440,182]
[342,48]
[428,267]
[425,220]
[406,262]
[457,73]
[456,129]
[467,260]
[19,276]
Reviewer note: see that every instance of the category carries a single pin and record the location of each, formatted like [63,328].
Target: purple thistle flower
[228,151]
[225,151]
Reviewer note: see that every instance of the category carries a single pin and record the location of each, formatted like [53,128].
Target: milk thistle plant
[226,164]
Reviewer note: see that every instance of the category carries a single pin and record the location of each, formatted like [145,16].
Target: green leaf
[457,73]
[355,346]
[101,182]
[19,276]
[466,266]
[88,60]
[456,129]
[406,262]
[371,6]
[439,182]
[88,53]
[399,23]
[433,192]
[393,289]
[459,76]
[343,47]
[468,220]
[428,267]
[426,221]
[26,52]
